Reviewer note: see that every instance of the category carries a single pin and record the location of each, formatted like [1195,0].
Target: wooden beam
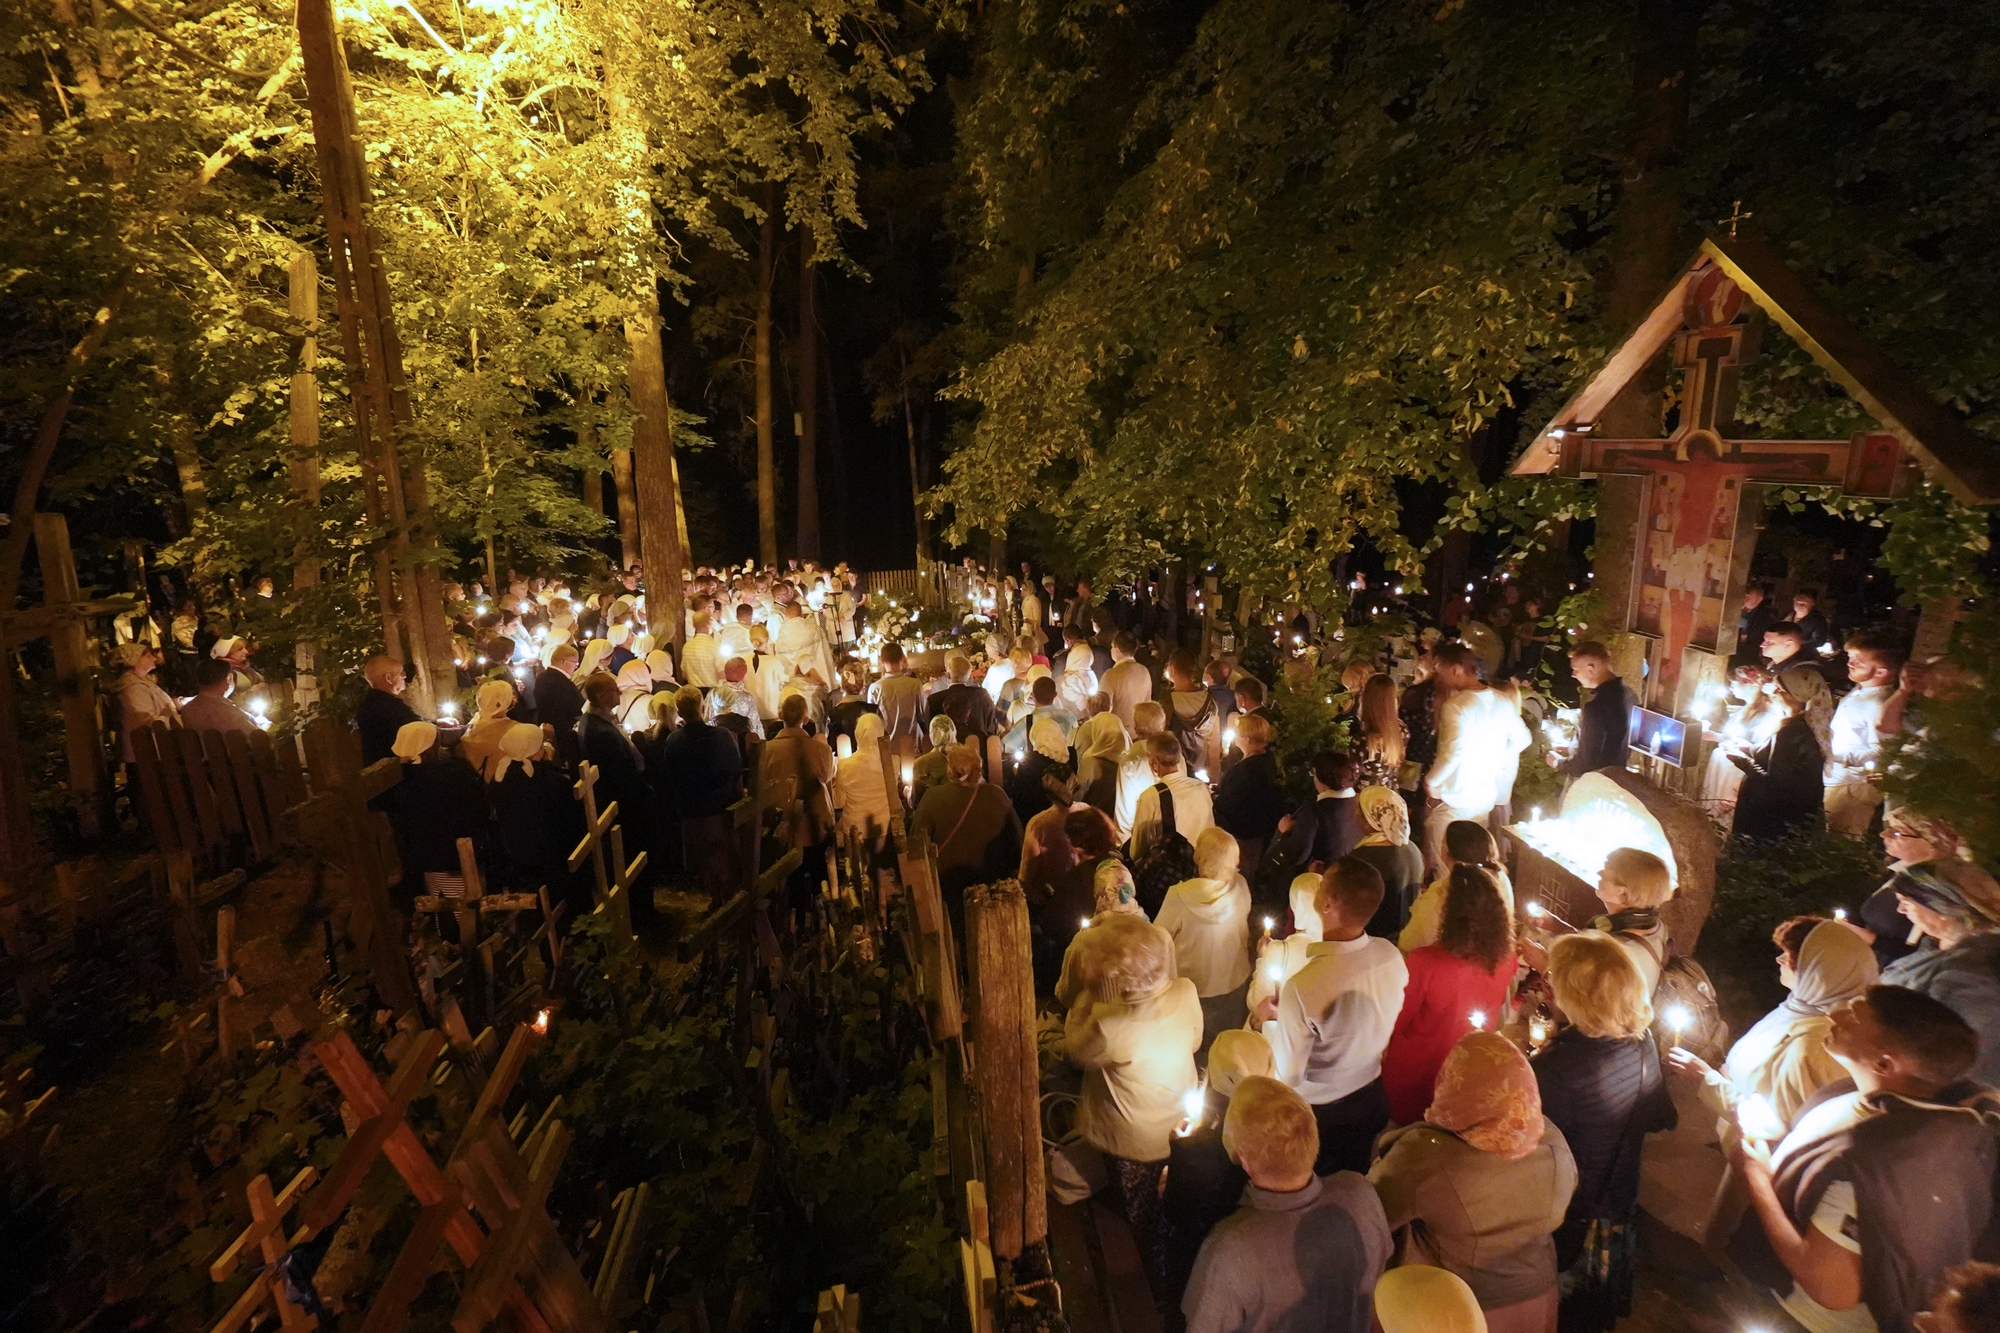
[19,627]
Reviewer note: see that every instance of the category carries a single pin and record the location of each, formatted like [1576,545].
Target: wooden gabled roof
[1952,454]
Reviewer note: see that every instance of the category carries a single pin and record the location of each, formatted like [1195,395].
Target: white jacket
[1138,1063]
[1479,744]
[1210,922]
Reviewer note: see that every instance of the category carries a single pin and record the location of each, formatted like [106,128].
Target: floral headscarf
[1486,1094]
[1387,814]
[1114,891]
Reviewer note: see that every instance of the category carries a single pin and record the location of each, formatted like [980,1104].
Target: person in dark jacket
[1885,1182]
[438,800]
[1331,825]
[1203,1184]
[1601,1085]
[558,703]
[701,775]
[621,772]
[382,712]
[969,707]
[1782,790]
[1605,720]
[537,819]
[1756,616]
[1251,800]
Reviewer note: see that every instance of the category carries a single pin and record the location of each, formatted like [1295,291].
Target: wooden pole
[653,461]
[302,301]
[808,404]
[1007,1072]
[411,595]
[74,663]
[767,466]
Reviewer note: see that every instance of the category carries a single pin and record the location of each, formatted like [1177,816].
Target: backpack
[1193,732]
[1170,860]
[1685,988]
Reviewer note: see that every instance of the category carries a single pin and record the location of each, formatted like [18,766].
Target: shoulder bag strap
[971,800]
[1166,811]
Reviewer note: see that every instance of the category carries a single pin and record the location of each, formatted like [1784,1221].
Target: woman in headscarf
[1100,744]
[859,796]
[1957,906]
[660,670]
[141,701]
[635,687]
[1278,960]
[439,800]
[1132,1028]
[1050,748]
[1417,1298]
[480,746]
[928,770]
[1079,679]
[1480,1184]
[1388,848]
[1782,1059]
[594,653]
[1209,919]
[536,816]
[1782,790]
[1046,853]
[1203,1184]
[1458,984]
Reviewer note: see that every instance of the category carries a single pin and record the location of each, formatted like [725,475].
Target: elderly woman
[537,819]
[1601,1085]
[1100,744]
[635,687]
[1909,838]
[1209,920]
[1279,960]
[1203,1185]
[1458,984]
[858,790]
[972,825]
[1957,906]
[1024,789]
[1079,678]
[928,771]
[1388,848]
[1046,853]
[439,800]
[1479,1185]
[1782,790]
[1783,1059]
[1132,1028]
[141,701]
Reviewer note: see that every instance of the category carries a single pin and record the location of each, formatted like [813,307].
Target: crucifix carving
[1696,530]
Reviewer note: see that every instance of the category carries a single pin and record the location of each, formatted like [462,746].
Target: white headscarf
[519,744]
[1048,740]
[619,634]
[594,654]
[414,740]
[868,730]
[492,701]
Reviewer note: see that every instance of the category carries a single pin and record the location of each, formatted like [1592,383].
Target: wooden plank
[153,793]
[261,1228]
[323,753]
[222,785]
[249,794]
[415,1263]
[194,767]
[75,663]
[358,1154]
[279,774]
[173,781]
[18,627]
[486,1285]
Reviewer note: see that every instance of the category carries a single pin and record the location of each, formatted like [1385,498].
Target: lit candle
[1276,972]
[448,709]
[845,746]
[1536,911]
[1086,923]
[909,775]
[1535,815]
[1193,1102]
[1268,923]
[1538,1031]
[541,1024]
[1679,1019]
[1840,914]
[1018,755]
[1477,1018]
[1201,775]
[1228,737]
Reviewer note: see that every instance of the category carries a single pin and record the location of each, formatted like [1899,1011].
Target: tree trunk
[767,467]
[302,302]
[1008,1072]
[628,507]
[653,462]
[808,399]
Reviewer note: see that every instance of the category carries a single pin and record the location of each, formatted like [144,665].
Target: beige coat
[795,770]
[1138,1063]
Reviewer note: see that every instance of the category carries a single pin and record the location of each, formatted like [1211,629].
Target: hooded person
[660,670]
[1783,791]
[635,687]
[1479,1185]
[1387,846]
[1079,679]
[141,701]
[480,746]
[438,800]
[1957,907]
[1100,744]
[1209,919]
[537,819]
[1204,1184]
[1783,1058]
[1417,1298]
[860,793]
[594,654]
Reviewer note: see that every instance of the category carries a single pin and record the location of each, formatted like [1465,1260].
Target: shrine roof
[1952,454]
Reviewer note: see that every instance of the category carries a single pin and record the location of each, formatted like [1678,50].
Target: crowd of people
[1329,1069]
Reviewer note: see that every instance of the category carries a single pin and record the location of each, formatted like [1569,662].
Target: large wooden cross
[614,881]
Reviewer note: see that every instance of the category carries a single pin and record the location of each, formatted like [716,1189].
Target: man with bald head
[382,712]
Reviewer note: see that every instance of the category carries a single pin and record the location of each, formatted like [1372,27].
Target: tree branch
[150,25]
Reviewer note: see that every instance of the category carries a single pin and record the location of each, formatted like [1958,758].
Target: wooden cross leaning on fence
[613,889]
[516,1263]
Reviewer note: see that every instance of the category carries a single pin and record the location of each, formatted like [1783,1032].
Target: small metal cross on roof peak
[1736,215]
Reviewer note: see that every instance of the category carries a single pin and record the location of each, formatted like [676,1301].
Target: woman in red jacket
[1458,984]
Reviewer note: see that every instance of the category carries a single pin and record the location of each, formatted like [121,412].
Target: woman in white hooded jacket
[1209,919]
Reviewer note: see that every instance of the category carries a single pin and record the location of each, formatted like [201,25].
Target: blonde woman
[1383,739]
[1601,1086]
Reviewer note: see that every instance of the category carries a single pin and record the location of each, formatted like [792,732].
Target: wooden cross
[267,1232]
[613,891]
[1696,533]
[1736,215]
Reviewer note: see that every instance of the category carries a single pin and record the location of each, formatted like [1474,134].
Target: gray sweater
[1303,1262]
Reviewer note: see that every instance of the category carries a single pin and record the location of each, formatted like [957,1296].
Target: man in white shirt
[1480,737]
[1853,777]
[1330,1023]
[698,655]
[733,640]
[1128,682]
[1194,808]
